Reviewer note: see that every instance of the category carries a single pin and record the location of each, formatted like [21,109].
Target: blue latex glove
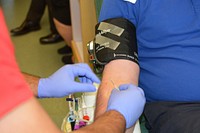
[129,101]
[62,82]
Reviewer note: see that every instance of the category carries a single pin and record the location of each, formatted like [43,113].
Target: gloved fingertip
[93,78]
[88,81]
[98,81]
[124,87]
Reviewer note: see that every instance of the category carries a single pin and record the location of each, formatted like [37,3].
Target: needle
[114,85]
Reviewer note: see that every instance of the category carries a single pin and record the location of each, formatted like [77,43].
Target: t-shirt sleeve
[119,9]
[13,88]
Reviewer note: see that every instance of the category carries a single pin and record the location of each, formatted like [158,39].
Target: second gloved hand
[62,82]
[129,101]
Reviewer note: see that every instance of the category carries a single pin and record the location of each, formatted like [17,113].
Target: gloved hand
[63,83]
[129,101]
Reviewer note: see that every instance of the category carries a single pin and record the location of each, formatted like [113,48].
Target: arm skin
[32,82]
[119,71]
[29,117]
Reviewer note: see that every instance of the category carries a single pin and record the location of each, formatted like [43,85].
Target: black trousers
[61,11]
[172,117]
[36,12]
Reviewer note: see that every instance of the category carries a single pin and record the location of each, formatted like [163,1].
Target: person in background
[60,25]
[62,19]
[21,112]
[32,22]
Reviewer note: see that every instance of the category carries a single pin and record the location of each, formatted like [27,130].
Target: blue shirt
[168,39]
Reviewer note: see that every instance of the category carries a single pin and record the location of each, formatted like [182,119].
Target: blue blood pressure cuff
[115,39]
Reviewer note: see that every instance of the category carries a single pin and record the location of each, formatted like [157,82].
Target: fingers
[85,80]
[83,70]
[131,86]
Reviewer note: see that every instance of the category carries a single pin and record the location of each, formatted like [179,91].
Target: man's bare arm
[32,82]
[120,72]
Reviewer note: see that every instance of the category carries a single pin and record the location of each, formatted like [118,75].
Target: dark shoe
[25,27]
[51,38]
[65,50]
[67,59]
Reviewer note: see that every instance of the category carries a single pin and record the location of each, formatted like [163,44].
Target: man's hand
[129,101]
[63,83]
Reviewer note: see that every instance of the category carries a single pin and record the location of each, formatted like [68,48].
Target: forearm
[32,82]
[119,71]
[109,122]
[28,117]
